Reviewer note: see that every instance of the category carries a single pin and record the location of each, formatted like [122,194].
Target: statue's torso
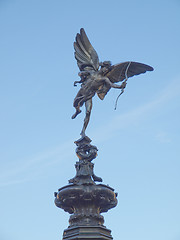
[94,81]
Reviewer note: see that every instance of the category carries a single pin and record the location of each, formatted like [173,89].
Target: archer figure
[95,80]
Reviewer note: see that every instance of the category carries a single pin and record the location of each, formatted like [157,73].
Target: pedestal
[87,232]
[84,199]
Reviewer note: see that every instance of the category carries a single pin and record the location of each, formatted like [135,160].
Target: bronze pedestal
[84,199]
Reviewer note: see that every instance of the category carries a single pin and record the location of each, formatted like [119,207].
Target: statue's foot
[83,140]
[83,134]
[76,113]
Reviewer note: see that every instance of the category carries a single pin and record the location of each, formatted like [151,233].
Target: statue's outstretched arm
[113,85]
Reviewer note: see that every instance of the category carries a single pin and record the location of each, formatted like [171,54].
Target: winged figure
[98,77]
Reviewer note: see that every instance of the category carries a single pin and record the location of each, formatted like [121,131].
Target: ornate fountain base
[85,203]
[84,199]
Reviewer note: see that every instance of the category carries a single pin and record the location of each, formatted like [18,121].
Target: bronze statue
[83,198]
[95,80]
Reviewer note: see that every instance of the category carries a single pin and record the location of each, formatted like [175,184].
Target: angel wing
[85,54]
[118,74]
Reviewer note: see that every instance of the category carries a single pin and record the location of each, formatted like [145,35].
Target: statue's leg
[88,105]
[77,112]
[78,102]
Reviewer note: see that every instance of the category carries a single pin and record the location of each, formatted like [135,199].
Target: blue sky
[138,143]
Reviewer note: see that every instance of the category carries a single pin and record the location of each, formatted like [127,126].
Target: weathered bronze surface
[85,168]
[95,80]
[83,198]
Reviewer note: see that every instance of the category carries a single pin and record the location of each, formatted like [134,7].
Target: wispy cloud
[163,137]
[27,168]
[123,120]
[16,175]
[6,183]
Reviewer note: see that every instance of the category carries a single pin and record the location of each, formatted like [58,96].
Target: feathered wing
[85,54]
[119,71]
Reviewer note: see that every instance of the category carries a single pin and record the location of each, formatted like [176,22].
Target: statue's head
[105,67]
[105,64]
